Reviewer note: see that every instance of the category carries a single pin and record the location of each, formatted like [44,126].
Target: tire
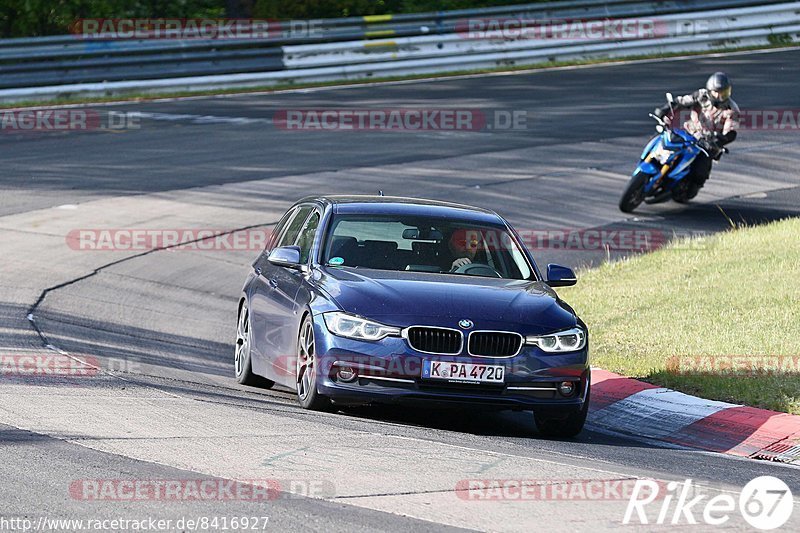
[684,191]
[306,370]
[634,193]
[242,367]
[680,197]
[687,193]
[563,428]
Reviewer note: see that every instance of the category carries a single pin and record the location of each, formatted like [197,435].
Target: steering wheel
[477,269]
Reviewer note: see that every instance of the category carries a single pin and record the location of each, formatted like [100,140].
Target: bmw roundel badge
[465,324]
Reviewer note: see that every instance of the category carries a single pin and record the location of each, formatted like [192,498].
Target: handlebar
[660,120]
[696,142]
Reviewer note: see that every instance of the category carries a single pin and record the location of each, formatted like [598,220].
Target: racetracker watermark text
[59,368]
[189,239]
[255,239]
[66,119]
[734,365]
[588,29]
[514,28]
[767,119]
[202,489]
[47,365]
[548,490]
[580,239]
[401,119]
[193,28]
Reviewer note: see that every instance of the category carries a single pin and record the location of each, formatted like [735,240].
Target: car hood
[416,298]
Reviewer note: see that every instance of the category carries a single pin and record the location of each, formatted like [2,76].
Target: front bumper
[389,371]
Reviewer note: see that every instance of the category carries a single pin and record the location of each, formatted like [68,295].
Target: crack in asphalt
[523,483]
[31,316]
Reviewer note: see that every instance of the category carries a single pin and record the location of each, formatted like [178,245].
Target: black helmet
[719,88]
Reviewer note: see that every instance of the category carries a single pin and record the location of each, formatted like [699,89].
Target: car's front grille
[434,340]
[494,343]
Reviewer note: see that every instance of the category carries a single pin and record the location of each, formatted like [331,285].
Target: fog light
[346,373]
[566,388]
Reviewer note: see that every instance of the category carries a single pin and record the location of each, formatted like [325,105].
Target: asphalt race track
[163,321]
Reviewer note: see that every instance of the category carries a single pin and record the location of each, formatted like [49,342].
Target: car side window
[279,228]
[293,227]
[306,238]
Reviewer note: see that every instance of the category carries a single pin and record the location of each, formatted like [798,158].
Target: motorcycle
[665,165]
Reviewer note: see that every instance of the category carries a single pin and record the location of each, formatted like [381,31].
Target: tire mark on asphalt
[33,308]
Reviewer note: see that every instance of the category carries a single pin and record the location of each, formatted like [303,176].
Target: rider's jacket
[704,118]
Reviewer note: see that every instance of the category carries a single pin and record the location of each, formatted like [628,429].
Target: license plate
[463,372]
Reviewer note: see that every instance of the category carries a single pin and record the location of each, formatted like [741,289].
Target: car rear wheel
[241,360]
[306,374]
[564,427]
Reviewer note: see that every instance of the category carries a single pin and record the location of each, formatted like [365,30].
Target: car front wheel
[562,427]
[306,373]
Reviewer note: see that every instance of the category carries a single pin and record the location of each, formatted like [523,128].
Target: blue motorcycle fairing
[681,169]
[647,168]
[678,141]
[650,146]
[688,137]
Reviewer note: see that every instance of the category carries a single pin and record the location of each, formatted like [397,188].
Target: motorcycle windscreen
[650,145]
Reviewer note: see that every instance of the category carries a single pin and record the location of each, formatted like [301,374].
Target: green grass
[733,294]
[128,96]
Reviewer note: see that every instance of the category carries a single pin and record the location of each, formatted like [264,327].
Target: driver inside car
[464,245]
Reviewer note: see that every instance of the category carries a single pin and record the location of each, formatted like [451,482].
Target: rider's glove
[660,112]
[706,143]
[713,145]
[715,140]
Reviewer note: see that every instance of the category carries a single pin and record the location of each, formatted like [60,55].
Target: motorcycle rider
[713,120]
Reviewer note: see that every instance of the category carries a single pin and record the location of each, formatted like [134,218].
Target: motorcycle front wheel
[634,193]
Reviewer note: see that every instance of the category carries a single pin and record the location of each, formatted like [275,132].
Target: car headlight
[569,340]
[354,327]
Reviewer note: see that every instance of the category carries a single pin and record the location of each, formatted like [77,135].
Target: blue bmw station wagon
[372,299]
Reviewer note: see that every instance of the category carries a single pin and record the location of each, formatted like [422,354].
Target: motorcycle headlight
[354,327]
[570,340]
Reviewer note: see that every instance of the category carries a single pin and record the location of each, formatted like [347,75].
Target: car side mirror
[560,276]
[286,256]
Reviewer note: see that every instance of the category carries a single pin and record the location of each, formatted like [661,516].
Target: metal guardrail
[359,47]
[723,25]
[412,23]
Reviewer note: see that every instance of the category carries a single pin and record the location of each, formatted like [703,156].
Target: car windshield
[423,244]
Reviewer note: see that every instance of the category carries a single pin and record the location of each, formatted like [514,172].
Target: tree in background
[27,18]
[306,9]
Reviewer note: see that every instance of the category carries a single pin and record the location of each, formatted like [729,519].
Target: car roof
[374,204]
